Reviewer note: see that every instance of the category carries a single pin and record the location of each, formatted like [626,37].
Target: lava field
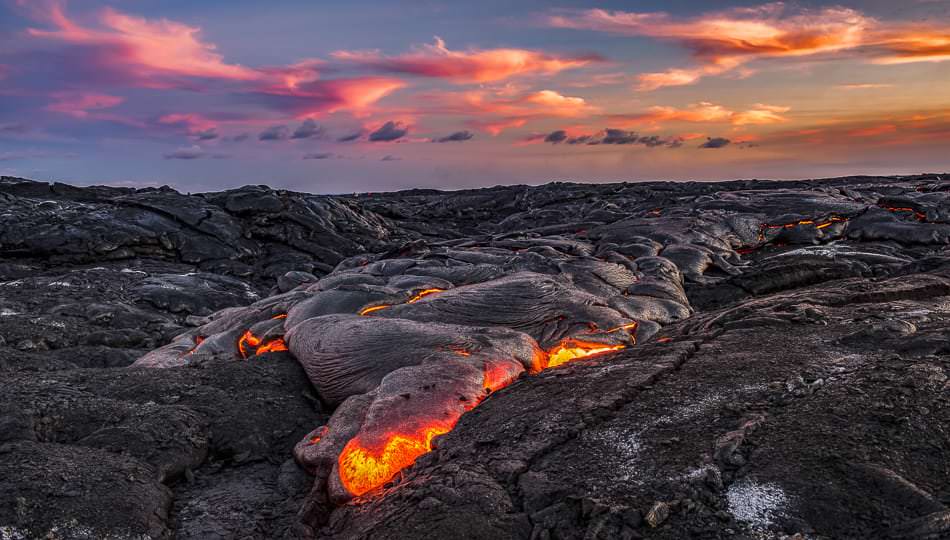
[664,360]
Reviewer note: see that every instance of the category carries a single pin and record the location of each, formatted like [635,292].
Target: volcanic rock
[660,360]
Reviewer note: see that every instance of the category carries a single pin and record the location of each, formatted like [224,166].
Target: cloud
[149,53]
[351,137]
[610,136]
[390,131]
[390,158]
[237,138]
[207,134]
[706,112]
[123,49]
[862,86]
[322,155]
[78,104]
[619,136]
[191,122]
[556,137]
[715,142]
[465,67]
[317,97]
[496,127]
[193,152]
[723,41]
[14,128]
[458,136]
[309,129]
[274,133]
[495,110]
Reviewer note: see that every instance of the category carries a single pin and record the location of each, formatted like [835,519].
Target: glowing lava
[572,349]
[249,341]
[366,311]
[363,469]
[275,345]
[422,294]
[369,460]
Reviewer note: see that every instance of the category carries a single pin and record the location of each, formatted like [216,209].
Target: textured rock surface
[780,360]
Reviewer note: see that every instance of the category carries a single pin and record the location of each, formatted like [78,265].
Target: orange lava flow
[572,349]
[280,316]
[371,309]
[363,469]
[250,342]
[422,294]
[498,376]
[275,345]
[246,341]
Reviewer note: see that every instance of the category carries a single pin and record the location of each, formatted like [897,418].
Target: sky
[372,95]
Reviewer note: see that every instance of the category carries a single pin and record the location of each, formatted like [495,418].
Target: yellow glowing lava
[363,469]
[572,349]
[422,294]
[371,309]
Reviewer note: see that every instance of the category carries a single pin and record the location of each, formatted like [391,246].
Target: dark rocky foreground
[778,364]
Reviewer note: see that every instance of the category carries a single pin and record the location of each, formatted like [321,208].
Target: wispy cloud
[472,66]
[723,41]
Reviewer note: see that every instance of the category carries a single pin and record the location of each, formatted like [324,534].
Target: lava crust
[653,360]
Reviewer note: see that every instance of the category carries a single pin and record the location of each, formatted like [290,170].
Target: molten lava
[499,375]
[275,345]
[363,469]
[572,349]
[422,294]
[366,311]
[249,341]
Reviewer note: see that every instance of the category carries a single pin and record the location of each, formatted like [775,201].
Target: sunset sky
[364,95]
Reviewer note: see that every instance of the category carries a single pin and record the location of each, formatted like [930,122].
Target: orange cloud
[472,66]
[873,131]
[494,111]
[726,40]
[78,104]
[913,45]
[704,112]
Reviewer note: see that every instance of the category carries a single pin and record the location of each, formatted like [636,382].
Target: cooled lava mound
[653,360]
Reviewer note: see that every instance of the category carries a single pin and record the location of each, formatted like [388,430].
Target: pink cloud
[78,104]
[316,97]
[146,51]
[472,66]
[496,127]
[191,122]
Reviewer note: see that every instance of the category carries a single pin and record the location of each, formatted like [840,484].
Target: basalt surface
[653,360]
